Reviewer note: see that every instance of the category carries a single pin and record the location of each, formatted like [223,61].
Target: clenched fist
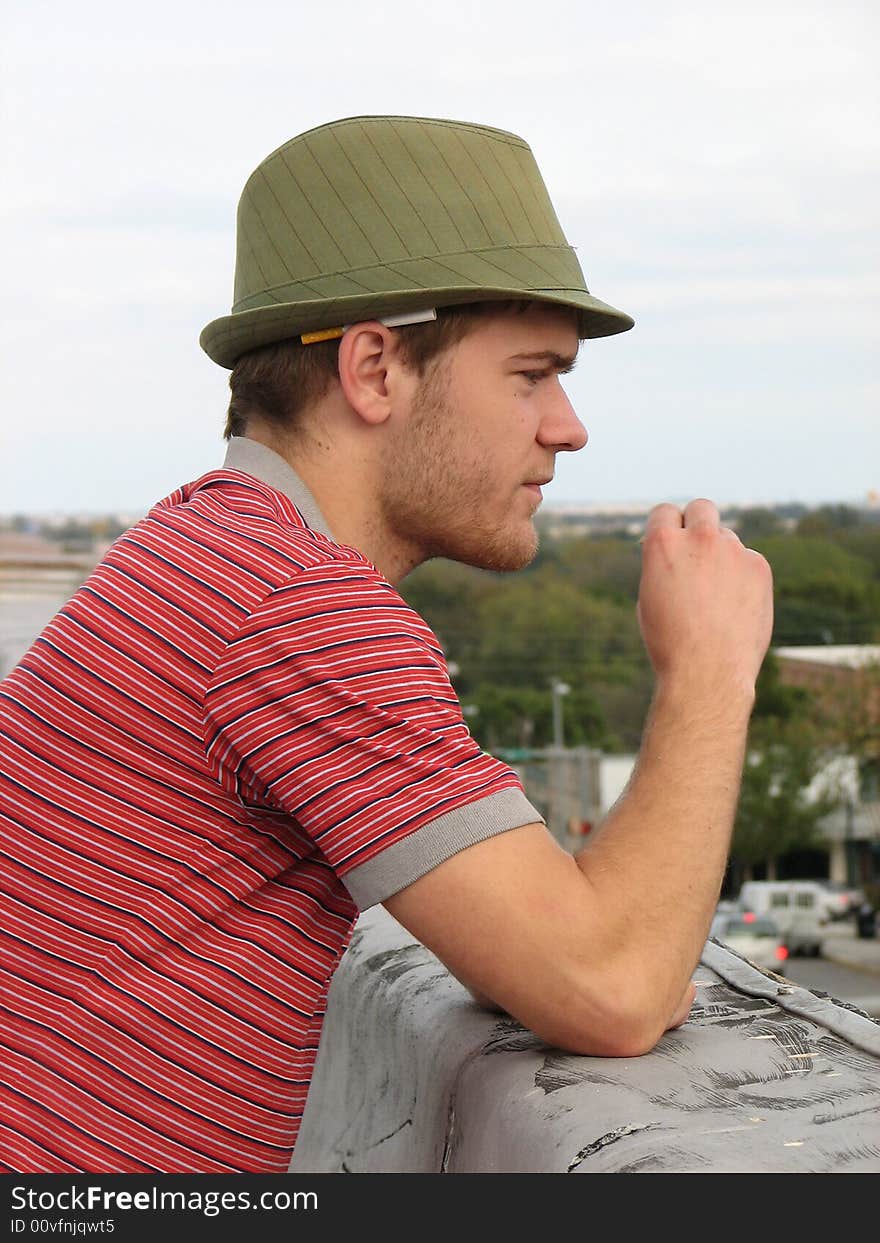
[705,602]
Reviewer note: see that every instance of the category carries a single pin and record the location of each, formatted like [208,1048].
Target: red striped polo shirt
[233,737]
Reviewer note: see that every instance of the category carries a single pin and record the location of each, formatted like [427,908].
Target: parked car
[756,937]
[797,906]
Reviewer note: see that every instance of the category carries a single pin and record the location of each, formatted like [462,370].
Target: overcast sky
[716,170]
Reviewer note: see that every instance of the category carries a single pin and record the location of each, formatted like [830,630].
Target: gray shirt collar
[252,458]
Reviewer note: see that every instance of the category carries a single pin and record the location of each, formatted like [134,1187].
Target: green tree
[572,618]
[823,592]
[827,519]
[776,700]
[758,523]
[863,542]
[515,716]
[537,628]
[848,714]
[603,566]
[813,568]
[777,812]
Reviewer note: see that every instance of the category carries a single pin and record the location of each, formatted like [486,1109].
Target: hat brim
[226,339]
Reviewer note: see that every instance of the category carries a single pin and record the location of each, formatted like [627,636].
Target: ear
[368,367]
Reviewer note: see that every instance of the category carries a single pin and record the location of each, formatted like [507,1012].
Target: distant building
[835,673]
[845,680]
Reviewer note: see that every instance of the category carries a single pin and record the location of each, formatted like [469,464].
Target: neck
[345,483]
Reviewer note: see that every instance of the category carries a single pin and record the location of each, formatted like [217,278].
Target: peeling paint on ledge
[604,1140]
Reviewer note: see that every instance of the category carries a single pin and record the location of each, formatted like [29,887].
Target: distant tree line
[571,616]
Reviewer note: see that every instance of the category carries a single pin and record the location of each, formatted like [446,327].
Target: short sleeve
[333,704]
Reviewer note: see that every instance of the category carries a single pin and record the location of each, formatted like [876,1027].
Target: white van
[797,906]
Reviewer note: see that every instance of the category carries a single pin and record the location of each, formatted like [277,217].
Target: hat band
[509,267]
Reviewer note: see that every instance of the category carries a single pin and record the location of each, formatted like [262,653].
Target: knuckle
[705,532]
[660,538]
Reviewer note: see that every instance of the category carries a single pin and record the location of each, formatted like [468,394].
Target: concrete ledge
[413,1077]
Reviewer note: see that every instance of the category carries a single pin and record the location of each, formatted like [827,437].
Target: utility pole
[558,689]
[557,767]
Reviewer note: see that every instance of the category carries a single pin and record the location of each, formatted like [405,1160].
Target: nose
[560,428]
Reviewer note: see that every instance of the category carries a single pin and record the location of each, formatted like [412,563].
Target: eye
[533,376]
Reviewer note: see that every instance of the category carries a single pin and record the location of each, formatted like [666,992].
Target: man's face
[465,467]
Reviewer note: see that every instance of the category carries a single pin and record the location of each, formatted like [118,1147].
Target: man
[237,734]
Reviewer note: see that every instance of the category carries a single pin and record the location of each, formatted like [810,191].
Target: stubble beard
[436,490]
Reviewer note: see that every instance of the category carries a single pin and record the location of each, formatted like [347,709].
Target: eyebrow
[562,362]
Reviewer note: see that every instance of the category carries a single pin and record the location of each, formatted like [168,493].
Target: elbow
[630,1025]
[619,1035]
[638,1023]
[633,1038]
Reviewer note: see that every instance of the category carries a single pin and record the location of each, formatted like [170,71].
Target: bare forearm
[656,864]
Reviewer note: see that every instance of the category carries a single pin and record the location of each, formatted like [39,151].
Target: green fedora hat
[369,217]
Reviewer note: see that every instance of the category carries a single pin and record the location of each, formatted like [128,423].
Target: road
[860,988]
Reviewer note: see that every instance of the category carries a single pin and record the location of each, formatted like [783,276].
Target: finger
[702,513]
[665,515]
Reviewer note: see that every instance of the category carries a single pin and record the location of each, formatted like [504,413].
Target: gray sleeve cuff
[399,865]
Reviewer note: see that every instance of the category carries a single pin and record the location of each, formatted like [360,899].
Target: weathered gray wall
[412,1076]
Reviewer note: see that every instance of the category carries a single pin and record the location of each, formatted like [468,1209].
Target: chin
[502,553]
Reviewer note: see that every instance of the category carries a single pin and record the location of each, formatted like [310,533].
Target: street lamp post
[559,689]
